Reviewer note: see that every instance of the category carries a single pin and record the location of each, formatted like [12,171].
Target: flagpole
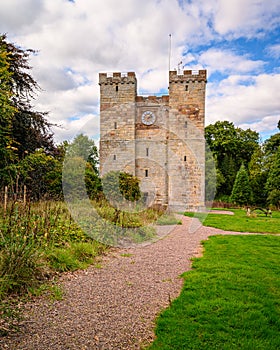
[169,58]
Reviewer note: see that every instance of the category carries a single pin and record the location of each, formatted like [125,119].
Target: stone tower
[158,139]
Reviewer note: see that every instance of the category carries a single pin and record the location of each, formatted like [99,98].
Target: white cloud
[265,125]
[245,104]
[274,50]
[227,61]
[17,16]
[245,17]
[87,124]
[71,103]
[77,40]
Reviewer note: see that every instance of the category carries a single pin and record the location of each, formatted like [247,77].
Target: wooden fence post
[5,199]
[24,195]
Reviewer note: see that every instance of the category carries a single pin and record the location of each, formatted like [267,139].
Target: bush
[120,186]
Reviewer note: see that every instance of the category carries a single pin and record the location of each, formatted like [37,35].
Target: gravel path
[113,307]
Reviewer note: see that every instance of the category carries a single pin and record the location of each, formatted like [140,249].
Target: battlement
[117,78]
[188,76]
[155,99]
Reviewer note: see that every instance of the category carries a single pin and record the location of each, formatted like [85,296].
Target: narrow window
[186,124]
[117,88]
[145,196]
[146,173]
[114,157]
[185,158]
[187,87]
[147,152]
[115,125]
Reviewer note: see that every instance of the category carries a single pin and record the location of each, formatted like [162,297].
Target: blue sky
[237,41]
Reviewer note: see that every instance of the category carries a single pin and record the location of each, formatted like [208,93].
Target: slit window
[117,88]
[147,152]
[185,158]
[145,197]
[146,173]
[114,157]
[187,87]
[115,125]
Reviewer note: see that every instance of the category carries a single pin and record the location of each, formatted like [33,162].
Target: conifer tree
[22,129]
[241,192]
[273,181]
[7,111]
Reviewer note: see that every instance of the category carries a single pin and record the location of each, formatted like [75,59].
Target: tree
[258,176]
[31,131]
[119,186]
[22,129]
[231,147]
[241,192]
[211,176]
[28,129]
[41,173]
[273,181]
[129,187]
[82,146]
[93,182]
[80,171]
[272,144]
[7,111]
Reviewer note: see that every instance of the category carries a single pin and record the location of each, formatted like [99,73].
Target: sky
[237,41]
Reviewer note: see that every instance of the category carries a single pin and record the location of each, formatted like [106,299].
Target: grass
[53,290]
[118,227]
[36,241]
[230,299]
[127,217]
[168,219]
[74,256]
[126,255]
[240,222]
[111,226]
[41,239]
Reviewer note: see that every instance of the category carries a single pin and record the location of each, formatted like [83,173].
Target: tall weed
[28,236]
[20,257]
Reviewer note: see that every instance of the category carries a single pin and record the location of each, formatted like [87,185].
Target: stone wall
[117,122]
[186,164]
[167,156]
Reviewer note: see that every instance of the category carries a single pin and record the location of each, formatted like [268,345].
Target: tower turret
[186,160]
[117,121]
[187,94]
[117,88]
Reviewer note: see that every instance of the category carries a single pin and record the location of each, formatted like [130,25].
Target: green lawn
[240,222]
[230,299]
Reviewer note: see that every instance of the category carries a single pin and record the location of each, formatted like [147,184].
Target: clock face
[148,118]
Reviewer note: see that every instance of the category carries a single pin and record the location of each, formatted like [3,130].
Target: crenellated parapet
[188,76]
[117,78]
[154,99]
